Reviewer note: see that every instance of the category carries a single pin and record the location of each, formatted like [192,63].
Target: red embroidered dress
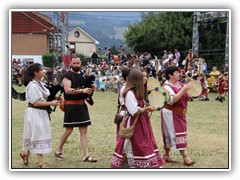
[174,125]
[141,150]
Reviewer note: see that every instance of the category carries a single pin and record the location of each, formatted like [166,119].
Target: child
[222,88]
[204,95]
[115,89]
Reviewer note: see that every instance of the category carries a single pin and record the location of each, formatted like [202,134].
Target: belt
[80,102]
[42,108]
[31,106]
[176,109]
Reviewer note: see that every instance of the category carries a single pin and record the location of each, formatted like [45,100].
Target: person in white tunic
[121,104]
[37,130]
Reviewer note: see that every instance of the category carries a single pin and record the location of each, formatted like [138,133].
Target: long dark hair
[125,73]
[135,83]
[145,85]
[29,72]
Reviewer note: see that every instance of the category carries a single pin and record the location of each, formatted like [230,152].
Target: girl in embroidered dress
[204,95]
[222,88]
[141,150]
[37,130]
[173,116]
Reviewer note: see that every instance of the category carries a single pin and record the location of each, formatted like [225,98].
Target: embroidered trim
[181,140]
[76,122]
[38,144]
[152,161]
[181,133]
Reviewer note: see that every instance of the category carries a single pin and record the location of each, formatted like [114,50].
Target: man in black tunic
[75,110]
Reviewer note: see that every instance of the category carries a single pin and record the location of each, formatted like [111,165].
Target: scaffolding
[59,36]
[208,17]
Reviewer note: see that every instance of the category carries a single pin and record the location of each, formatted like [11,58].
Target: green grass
[207,134]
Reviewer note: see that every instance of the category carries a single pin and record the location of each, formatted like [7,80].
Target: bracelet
[74,91]
[142,110]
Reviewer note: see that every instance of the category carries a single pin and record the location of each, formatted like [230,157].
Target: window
[72,47]
[76,34]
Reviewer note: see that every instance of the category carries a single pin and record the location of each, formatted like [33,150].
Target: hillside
[105,27]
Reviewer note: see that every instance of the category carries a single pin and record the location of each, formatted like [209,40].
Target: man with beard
[75,110]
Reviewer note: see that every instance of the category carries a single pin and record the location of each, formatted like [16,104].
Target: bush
[49,60]
[84,59]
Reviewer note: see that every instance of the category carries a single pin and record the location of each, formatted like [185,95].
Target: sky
[123,4]
[105,15]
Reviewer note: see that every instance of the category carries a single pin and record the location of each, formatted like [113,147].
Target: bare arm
[177,96]
[68,90]
[45,103]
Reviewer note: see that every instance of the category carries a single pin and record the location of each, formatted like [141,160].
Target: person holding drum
[173,116]
[141,149]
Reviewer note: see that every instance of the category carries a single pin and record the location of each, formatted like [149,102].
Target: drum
[153,83]
[158,97]
[196,88]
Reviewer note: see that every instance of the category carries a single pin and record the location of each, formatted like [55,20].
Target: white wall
[29,58]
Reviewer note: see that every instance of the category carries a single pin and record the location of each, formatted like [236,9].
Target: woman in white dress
[37,130]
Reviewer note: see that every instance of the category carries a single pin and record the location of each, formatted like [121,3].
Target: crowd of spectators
[108,71]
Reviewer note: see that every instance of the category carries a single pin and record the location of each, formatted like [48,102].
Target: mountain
[106,27]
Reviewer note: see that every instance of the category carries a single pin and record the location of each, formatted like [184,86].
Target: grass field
[208,135]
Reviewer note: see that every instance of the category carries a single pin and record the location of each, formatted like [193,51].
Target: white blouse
[131,103]
[35,92]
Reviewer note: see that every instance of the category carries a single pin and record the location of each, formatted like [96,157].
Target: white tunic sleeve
[171,92]
[121,99]
[131,103]
[33,93]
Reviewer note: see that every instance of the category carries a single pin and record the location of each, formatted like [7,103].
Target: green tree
[212,40]
[168,30]
[161,30]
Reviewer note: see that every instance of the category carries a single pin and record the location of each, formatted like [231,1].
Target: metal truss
[59,36]
[208,17]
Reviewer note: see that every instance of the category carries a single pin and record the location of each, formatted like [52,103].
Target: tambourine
[196,88]
[153,83]
[158,97]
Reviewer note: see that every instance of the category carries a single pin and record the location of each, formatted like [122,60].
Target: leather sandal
[188,162]
[90,159]
[59,156]
[24,156]
[44,165]
[168,159]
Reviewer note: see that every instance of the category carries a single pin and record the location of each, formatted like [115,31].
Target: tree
[161,30]
[158,31]
[212,41]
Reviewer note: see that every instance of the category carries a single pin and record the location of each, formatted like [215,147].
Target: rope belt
[176,109]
